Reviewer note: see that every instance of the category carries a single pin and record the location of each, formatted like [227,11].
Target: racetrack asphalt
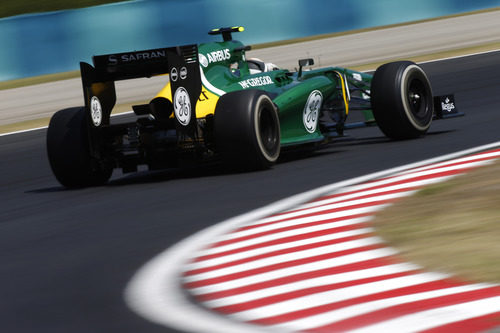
[68,255]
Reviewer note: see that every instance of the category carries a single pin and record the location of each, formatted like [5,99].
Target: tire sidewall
[409,73]
[265,104]
[238,124]
[390,91]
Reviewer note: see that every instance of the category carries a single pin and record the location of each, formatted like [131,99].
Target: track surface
[67,255]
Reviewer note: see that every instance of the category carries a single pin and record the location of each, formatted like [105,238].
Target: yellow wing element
[345,92]
[231,29]
[205,105]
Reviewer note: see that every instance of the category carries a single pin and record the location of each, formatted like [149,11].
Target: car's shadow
[54,189]
[215,170]
[204,170]
[375,140]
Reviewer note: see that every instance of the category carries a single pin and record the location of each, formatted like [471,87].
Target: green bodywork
[226,70]
[312,104]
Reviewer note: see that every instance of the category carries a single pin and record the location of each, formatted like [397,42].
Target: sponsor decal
[218,56]
[182,106]
[366,96]
[173,74]
[311,110]
[96,111]
[256,82]
[203,60]
[128,57]
[447,105]
[203,96]
[357,77]
[183,73]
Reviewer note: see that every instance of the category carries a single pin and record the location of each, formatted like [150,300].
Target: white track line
[408,176]
[399,187]
[23,131]
[45,127]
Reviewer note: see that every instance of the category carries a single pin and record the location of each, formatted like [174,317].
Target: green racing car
[221,106]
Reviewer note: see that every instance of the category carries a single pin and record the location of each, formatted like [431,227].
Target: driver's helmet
[256,66]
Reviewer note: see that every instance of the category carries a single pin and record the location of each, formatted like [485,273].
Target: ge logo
[311,111]
[182,106]
[95,111]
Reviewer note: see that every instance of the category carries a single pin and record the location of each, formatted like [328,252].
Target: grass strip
[451,227]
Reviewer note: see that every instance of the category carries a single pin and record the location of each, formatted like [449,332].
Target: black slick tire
[401,98]
[247,130]
[68,151]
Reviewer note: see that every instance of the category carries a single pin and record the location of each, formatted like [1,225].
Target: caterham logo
[311,111]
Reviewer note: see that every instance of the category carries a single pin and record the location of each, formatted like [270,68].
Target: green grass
[18,7]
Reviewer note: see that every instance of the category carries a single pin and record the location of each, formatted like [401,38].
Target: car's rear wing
[180,62]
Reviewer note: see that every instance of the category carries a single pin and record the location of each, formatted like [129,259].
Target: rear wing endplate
[180,62]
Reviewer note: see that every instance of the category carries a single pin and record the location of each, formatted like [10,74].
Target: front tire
[247,130]
[68,151]
[401,98]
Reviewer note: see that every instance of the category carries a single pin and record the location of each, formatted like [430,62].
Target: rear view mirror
[304,62]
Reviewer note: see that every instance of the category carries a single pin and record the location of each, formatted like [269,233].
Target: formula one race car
[221,106]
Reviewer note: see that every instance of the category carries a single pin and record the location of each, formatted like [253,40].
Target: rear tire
[401,98]
[69,153]
[247,130]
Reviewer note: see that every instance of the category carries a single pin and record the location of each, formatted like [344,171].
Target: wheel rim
[418,100]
